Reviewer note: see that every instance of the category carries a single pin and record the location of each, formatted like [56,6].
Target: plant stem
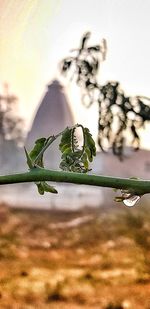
[139,187]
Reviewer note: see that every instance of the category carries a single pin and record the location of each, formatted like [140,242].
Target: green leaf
[39,144]
[85,161]
[35,158]
[65,139]
[65,148]
[90,148]
[48,188]
[89,154]
[45,187]
[40,188]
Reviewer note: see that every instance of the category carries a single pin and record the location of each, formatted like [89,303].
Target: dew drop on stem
[131,201]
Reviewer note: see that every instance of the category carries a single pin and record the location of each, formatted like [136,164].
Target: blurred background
[78,249]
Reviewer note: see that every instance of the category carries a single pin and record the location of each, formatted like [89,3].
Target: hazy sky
[36,34]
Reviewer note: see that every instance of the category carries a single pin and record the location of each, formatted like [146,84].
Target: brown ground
[48,261]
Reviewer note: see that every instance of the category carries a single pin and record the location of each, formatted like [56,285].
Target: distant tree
[119,114]
[11,125]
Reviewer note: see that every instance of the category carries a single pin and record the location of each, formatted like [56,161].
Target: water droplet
[131,201]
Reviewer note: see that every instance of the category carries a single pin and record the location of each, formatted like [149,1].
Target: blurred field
[75,260]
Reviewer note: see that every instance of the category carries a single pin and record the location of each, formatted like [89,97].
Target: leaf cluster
[85,63]
[75,158]
[120,115]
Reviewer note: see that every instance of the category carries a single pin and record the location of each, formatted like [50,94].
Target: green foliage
[35,160]
[119,114]
[34,154]
[45,187]
[74,158]
[90,148]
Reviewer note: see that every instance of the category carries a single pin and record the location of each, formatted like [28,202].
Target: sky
[36,34]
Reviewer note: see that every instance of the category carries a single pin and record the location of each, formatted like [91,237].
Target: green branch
[135,186]
[75,165]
